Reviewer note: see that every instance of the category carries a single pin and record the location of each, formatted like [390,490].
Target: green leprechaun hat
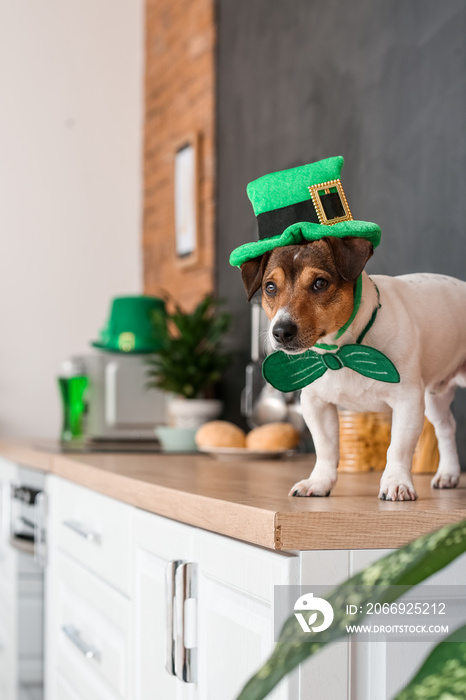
[129,328]
[301,204]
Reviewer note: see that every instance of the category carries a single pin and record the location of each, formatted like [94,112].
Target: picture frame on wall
[186,200]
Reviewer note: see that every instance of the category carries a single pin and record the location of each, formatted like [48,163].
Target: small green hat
[301,204]
[129,328]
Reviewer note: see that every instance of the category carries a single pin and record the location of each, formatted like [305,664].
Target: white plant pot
[192,413]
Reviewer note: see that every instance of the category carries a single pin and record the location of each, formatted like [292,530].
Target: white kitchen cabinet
[363,670]
[121,609]
[229,624]
[95,530]
[235,613]
[92,634]
[88,617]
[327,675]
[157,542]
[379,670]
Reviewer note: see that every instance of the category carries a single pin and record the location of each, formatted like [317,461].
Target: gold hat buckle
[330,202]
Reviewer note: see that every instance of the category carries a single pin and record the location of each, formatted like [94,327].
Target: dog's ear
[350,255]
[252,272]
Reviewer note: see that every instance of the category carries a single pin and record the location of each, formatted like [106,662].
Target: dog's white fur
[421,327]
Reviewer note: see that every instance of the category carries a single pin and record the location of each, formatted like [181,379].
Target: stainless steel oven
[26,526]
[27,538]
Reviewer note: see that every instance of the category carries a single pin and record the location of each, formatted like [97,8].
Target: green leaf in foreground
[407,566]
[442,676]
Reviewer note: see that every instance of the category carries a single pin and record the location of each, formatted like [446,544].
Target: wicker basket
[365,438]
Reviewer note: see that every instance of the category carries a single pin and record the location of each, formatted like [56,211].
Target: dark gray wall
[381,82]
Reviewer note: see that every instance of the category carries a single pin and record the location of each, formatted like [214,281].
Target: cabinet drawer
[82,689]
[93,529]
[92,632]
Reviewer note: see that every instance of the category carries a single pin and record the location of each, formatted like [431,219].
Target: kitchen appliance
[104,395]
[22,580]
[119,405]
[254,380]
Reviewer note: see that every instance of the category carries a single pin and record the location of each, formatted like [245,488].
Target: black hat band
[274,222]
[327,207]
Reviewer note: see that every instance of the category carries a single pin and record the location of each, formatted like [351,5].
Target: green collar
[292,372]
[357,304]
[371,321]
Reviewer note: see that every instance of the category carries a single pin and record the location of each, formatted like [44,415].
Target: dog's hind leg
[438,411]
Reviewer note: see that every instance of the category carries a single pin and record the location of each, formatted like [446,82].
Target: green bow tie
[292,372]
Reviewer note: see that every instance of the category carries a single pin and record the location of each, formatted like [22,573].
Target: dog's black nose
[284,332]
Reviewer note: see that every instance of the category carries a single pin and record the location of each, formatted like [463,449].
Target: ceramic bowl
[176,439]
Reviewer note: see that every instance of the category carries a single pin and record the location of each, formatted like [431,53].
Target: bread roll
[220,433]
[273,436]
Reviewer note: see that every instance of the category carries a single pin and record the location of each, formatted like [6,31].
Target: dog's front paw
[397,488]
[445,480]
[314,486]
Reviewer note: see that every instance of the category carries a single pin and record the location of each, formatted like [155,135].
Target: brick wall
[179,101]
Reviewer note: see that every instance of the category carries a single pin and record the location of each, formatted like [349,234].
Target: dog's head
[307,289]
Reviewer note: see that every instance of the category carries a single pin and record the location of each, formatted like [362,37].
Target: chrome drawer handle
[185,587]
[82,531]
[87,650]
[170,573]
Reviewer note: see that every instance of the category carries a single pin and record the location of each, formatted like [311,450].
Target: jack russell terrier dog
[308,295]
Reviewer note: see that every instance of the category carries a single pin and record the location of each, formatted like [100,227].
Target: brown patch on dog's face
[305,294]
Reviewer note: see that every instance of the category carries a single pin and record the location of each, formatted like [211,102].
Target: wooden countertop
[248,500]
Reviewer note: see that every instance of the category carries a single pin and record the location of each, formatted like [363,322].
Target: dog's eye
[319,284]
[271,289]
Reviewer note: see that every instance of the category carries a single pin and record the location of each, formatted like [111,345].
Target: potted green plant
[190,361]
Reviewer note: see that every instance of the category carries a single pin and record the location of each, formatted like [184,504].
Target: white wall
[71,113]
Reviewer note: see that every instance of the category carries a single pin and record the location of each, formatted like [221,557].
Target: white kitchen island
[137,542]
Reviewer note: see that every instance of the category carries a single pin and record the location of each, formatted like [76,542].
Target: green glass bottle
[73,383]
